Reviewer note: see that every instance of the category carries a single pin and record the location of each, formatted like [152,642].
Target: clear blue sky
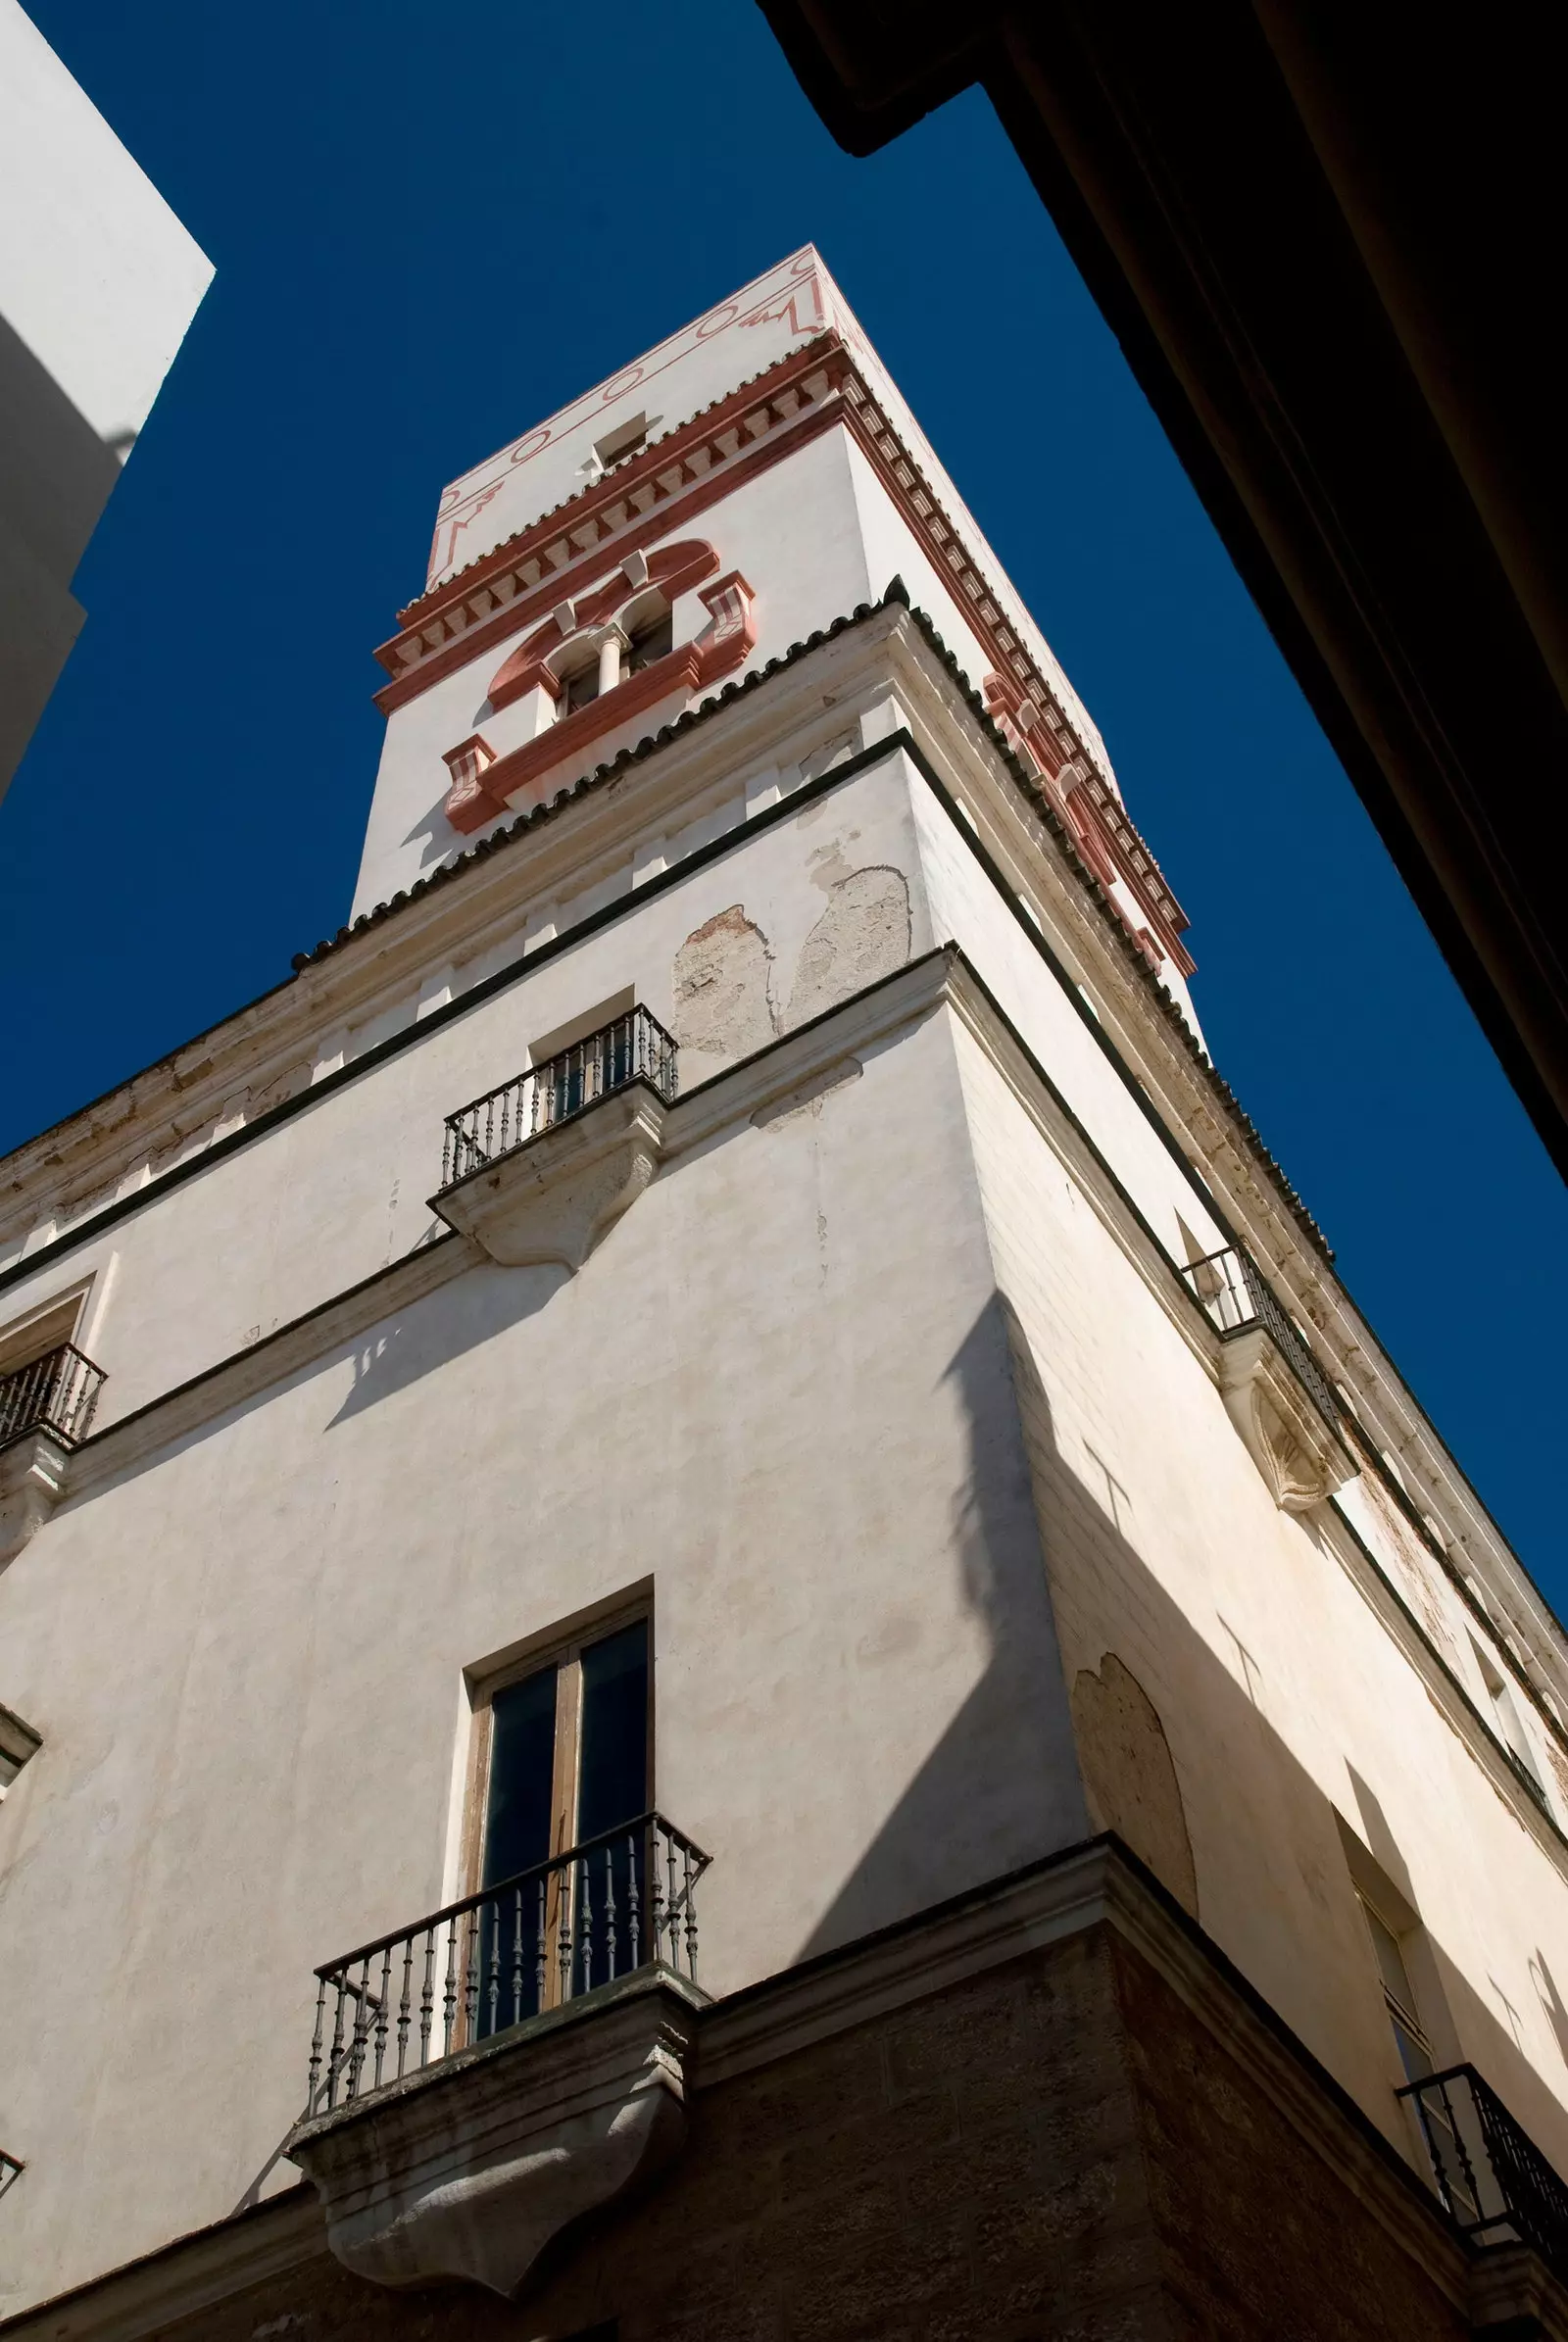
[432,225]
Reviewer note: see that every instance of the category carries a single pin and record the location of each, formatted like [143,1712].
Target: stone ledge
[558,1194]
[32,1481]
[470,2168]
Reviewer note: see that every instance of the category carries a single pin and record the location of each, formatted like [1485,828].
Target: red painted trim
[724,643]
[623,477]
[678,510]
[1110,842]
[674,569]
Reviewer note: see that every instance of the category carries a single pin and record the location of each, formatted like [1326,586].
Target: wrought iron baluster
[428,1997]
[362,2027]
[673,1907]
[633,1937]
[691,1912]
[316,2046]
[493,1983]
[610,1912]
[565,1944]
[381,2013]
[586,1928]
[405,2005]
[470,1977]
[656,1899]
[449,1999]
[336,2054]
[1460,2149]
[517,1956]
[542,1955]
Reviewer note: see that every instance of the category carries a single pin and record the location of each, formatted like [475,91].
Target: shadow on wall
[443,1326]
[1181,1760]
[1002,1786]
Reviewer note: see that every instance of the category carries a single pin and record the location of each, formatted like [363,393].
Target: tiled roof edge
[897,593]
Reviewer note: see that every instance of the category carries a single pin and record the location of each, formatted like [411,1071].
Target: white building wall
[1281,1695]
[779,1391]
[98,284]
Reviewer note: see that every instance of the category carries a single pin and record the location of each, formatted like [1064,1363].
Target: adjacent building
[714,1622]
[98,284]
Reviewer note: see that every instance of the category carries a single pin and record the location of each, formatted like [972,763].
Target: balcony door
[566,1765]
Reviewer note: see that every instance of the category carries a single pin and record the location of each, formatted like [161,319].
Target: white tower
[747,1637]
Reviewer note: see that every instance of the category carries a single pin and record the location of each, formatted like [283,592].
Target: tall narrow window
[566,1764]
[1508,1722]
[1399,1996]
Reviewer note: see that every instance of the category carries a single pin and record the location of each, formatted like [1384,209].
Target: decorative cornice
[638,502]
[674,479]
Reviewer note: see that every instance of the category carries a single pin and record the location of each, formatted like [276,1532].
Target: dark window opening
[568,1762]
[654,639]
[582,687]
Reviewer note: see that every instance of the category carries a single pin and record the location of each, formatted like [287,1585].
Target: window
[42,1330]
[653,637]
[17,1742]
[1399,1995]
[627,439]
[1507,1722]
[563,1758]
[582,687]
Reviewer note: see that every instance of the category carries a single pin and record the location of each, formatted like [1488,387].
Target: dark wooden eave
[1328,240]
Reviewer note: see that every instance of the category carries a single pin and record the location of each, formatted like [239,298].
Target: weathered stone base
[1050,2111]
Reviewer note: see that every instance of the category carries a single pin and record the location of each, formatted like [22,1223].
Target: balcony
[1290,1419]
[601,1911]
[541,1168]
[46,1409]
[57,1393]
[1495,2185]
[483,2077]
[634,1048]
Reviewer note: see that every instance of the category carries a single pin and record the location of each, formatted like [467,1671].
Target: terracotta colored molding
[689,469]
[674,569]
[480,789]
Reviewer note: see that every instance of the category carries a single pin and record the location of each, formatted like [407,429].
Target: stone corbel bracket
[558,1196]
[470,2169]
[1302,1460]
[32,1481]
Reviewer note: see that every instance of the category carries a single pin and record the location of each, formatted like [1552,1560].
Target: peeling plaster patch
[720,985]
[809,1098]
[861,935]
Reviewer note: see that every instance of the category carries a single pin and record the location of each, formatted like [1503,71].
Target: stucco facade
[98,284]
[878,1373]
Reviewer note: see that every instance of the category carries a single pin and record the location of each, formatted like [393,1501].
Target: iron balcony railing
[1231,1290]
[1495,2185]
[11,2170]
[634,1048]
[56,1393]
[616,1903]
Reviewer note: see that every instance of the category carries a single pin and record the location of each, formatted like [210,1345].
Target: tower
[715,1619]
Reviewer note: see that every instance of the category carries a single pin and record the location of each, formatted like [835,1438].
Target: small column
[610,650]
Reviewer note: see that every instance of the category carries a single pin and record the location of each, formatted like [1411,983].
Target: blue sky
[432,227]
